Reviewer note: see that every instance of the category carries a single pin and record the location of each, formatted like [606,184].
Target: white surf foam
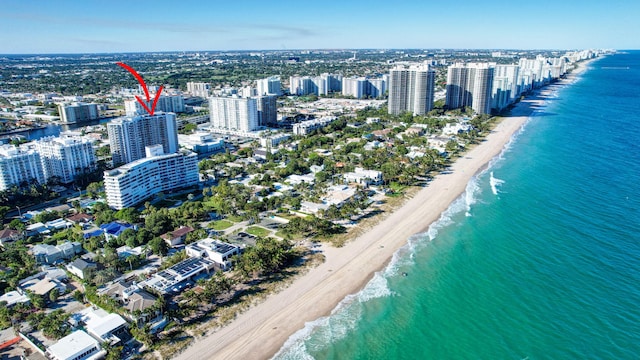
[337,325]
[495,183]
[345,316]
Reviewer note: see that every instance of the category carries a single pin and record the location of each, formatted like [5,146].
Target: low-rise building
[103,326]
[178,236]
[8,236]
[175,278]
[76,346]
[82,268]
[364,177]
[201,143]
[305,127]
[218,251]
[49,254]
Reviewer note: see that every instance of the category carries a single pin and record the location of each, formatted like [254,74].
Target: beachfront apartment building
[234,113]
[66,157]
[269,86]
[78,113]
[411,89]
[470,85]
[173,104]
[506,88]
[137,181]
[128,137]
[19,165]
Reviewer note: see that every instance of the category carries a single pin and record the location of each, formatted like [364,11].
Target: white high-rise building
[135,182]
[78,113]
[199,89]
[302,85]
[174,104]
[128,137]
[411,89]
[470,85]
[356,87]
[377,87]
[505,86]
[66,157]
[362,87]
[234,113]
[18,165]
[269,86]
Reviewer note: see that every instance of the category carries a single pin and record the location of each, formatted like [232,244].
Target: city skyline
[162,26]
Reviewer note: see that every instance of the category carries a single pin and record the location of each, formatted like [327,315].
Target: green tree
[53,295]
[158,246]
[130,215]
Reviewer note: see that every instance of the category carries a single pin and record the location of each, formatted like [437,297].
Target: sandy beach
[262,330]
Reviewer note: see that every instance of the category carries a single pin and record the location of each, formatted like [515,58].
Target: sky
[90,26]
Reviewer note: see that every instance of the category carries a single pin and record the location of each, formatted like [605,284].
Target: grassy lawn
[235,218]
[220,225]
[397,189]
[258,231]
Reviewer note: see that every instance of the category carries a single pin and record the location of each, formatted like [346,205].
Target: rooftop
[71,344]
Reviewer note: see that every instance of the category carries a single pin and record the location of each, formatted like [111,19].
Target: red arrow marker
[144,87]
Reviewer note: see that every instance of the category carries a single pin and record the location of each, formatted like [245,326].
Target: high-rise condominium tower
[411,89]
[470,85]
[128,137]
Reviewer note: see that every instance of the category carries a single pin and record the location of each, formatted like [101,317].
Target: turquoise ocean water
[540,259]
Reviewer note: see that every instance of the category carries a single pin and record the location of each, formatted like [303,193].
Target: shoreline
[261,331]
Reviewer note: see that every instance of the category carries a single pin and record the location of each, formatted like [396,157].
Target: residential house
[8,236]
[218,251]
[178,236]
[40,285]
[76,346]
[82,268]
[363,177]
[180,275]
[49,254]
[80,218]
[103,326]
[114,229]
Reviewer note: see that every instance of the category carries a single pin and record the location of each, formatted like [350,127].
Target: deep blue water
[546,265]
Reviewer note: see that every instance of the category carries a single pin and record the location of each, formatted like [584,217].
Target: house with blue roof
[112,229]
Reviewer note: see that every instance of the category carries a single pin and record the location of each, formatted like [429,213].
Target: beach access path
[261,331]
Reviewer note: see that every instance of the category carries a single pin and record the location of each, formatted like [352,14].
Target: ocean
[539,259]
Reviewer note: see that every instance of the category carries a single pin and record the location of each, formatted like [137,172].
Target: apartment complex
[506,86]
[66,157]
[78,113]
[135,182]
[269,86]
[363,87]
[267,110]
[470,85]
[174,104]
[411,89]
[128,137]
[234,113]
[19,165]
[199,89]
[318,85]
